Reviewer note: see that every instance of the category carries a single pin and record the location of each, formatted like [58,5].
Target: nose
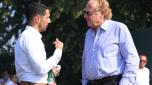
[49,20]
[85,16]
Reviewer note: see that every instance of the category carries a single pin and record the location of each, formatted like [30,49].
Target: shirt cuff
[84,82]
[127,81]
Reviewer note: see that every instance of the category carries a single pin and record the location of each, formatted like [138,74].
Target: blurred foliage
[69,26]
[136,14]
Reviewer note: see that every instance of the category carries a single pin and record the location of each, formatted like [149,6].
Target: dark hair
[34,9]
[142,54]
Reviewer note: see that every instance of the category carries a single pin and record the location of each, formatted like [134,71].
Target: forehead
[47,12]
[143,57]
[91,5]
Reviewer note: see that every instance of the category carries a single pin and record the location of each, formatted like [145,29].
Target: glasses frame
[90,13]
[144,61]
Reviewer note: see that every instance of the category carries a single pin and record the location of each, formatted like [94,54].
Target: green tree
[69,26]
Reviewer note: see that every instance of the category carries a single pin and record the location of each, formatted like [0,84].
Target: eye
[89,13]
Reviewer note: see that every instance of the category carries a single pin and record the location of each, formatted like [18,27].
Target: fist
[58,44]
[56,70]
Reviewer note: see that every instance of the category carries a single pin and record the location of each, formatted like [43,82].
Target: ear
[37,18]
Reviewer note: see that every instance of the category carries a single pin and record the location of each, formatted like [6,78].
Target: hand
[56,70]
[52,83]
[58,44]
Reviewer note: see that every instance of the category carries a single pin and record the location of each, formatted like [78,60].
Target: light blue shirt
[108,51]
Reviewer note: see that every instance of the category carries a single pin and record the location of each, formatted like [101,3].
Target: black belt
[106,79]
[30,83]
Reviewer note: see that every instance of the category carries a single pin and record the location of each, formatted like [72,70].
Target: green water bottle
[51,77]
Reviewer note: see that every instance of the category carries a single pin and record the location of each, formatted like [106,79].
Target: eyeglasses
[90,13]
[144,61]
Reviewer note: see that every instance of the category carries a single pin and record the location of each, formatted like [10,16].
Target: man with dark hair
[32,67]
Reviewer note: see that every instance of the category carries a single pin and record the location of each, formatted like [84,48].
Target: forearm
[131,68]
[44,66]
[54,59]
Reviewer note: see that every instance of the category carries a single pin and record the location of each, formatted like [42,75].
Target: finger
[58,66]
[57,39]
[55,42]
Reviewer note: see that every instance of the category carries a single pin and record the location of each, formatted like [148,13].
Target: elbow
[41,70]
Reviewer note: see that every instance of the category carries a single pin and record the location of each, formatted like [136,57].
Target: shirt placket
[97,34]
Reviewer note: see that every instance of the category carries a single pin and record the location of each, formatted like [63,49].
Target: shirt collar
[34,31]
[105,25]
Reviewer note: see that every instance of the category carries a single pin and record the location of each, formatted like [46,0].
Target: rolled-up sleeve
[37,56]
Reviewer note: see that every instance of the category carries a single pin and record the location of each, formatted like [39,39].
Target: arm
[130,56]
[148,76]
[37,56]
[84,80]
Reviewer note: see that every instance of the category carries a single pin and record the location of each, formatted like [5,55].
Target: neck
[141,67]
[35,26]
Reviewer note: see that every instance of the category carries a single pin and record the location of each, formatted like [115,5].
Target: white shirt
[143,76]
[30,57]
[9,82]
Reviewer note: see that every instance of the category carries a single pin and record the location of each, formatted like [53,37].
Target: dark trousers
[111,80]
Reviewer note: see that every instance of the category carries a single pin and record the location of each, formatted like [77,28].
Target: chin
[92,27]
[43,30]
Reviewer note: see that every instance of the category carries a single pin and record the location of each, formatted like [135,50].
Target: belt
[30,83]
[107,79]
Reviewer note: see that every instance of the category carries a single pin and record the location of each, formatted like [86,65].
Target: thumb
[57,39]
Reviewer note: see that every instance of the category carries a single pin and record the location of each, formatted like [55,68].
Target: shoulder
[146,68]
[114,26]
[89,31]
[121,28]
[118,28]
[119,25]
[27,34]
[25,37]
